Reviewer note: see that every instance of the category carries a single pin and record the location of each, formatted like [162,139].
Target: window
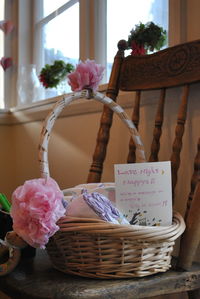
[57,26]
[74,29]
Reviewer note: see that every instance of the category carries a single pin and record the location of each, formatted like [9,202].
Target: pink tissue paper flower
[36,207]
[87,74]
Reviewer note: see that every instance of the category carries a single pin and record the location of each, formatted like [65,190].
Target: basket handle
[57,109]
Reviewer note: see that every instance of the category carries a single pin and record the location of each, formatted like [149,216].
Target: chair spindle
[135,118]
[194,180]
[103,135]
[155,146]
[177,145]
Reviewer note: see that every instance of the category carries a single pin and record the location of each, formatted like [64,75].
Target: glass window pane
[1,55]
[123,15]
[52,5]
[60,41]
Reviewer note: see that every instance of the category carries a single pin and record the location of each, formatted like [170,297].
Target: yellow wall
[7,152]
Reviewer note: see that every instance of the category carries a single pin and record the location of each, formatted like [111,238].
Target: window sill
[39,110]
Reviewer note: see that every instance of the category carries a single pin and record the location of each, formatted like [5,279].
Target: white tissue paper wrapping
[95,201]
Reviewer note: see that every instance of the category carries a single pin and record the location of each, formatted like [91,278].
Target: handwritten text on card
[143,192]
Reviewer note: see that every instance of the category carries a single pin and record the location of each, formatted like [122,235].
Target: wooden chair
[164,70]
[176,66]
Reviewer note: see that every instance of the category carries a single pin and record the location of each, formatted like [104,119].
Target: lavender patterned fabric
[102,206]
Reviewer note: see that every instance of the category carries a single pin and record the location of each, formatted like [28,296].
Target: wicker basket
[99,249]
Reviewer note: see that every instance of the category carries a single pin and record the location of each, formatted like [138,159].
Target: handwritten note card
[144,192]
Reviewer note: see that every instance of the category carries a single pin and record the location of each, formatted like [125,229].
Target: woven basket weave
[99,249]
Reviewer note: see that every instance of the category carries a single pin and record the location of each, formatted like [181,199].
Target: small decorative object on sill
[85,234]
[6,26]
[52,74]
[6,62]
[28,85]
[146,37]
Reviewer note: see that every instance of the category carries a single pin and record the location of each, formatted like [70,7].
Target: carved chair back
[177,66]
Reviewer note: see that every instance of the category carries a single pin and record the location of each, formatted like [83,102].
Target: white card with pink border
[144,192]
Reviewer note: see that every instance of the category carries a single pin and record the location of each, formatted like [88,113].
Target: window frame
[92,17]
[38,23]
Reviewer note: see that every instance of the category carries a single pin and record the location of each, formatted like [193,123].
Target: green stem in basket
[4,203]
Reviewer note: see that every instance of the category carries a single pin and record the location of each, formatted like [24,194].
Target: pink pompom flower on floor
[87,74]
[36,207]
